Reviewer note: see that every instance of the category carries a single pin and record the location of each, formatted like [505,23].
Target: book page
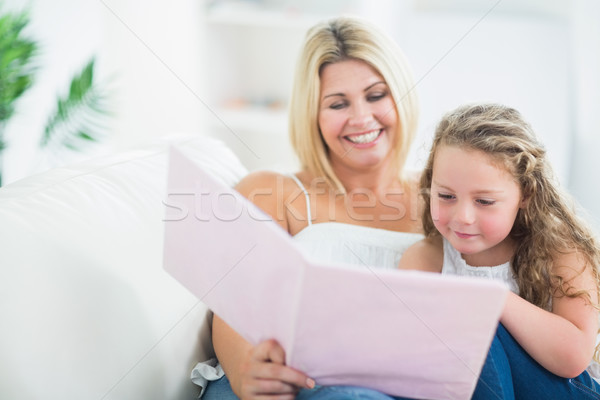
[230,254]
[405,333]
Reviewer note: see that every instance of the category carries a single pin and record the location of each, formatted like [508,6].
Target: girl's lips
[464,235]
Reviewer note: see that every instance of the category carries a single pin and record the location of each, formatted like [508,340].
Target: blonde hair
[547,224]
[334,41]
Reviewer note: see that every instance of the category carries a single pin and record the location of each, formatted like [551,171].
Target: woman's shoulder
[262,181]
[270,191]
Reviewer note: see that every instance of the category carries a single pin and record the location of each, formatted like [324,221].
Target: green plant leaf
[17,66]
[78,118]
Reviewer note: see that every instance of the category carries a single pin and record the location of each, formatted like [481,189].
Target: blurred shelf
[255,120]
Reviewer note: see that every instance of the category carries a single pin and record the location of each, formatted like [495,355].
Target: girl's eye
[485,202]
[445,196]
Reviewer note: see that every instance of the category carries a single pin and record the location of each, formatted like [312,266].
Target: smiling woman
[357,117]
[353,117]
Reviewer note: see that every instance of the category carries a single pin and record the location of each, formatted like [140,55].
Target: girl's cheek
[437,211]
[495,226]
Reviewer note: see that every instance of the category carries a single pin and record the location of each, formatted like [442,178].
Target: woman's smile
[364,138]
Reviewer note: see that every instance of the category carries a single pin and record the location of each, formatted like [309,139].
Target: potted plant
[77,118]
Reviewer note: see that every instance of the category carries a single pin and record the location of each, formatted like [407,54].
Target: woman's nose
[361,116]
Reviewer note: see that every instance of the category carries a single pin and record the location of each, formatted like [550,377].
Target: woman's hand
[263,374]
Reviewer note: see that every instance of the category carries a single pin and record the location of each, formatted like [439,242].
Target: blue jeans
[221,390]
[509,373]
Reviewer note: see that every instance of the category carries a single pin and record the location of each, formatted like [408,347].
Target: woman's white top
[335,242]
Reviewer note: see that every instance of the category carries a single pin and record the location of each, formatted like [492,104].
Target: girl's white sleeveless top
[455,265]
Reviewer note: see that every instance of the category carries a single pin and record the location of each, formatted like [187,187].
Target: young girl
[493,209]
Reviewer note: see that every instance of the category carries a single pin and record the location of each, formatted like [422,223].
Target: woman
[353,116]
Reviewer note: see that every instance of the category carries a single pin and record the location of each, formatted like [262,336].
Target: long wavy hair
[332,41]
[547,224]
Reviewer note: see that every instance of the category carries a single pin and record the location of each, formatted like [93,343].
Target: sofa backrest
[86,309]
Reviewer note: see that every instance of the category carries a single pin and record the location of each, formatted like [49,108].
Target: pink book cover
[405,333]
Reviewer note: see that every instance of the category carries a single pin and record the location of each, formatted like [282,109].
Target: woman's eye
[485,202]
[376,96]
[337,106]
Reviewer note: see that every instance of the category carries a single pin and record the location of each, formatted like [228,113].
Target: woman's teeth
[366,138]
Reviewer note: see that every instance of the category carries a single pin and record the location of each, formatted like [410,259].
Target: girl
[493,209]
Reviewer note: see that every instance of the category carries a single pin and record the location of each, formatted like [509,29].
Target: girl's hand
[264,375]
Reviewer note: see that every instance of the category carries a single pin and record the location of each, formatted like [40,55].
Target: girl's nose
[465,214]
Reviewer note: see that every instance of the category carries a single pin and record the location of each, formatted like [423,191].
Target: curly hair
[547,224]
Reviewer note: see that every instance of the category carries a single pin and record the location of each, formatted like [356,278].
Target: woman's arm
[255,371]
[562,341]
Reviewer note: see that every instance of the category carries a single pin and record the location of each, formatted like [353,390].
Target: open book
[405,333]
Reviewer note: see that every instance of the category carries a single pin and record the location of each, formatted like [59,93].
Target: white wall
[153,46]
[147,51]
[161,59]
[540,57]
[585,184]
[461,59]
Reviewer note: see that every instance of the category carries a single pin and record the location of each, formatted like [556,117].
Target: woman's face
[357,115]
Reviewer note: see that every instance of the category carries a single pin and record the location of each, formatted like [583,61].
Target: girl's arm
[257,371]
[562,341]
[424,255]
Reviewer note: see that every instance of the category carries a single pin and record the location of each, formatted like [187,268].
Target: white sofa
[86,309]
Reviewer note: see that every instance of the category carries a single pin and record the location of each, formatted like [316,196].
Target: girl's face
[474,203]
[357,115]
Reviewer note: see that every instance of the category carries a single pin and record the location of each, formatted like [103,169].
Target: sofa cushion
[86,309]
